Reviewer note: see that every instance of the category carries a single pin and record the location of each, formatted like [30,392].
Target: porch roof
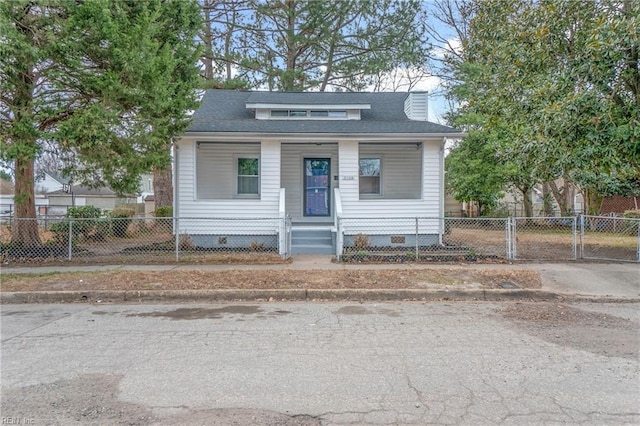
[225,111]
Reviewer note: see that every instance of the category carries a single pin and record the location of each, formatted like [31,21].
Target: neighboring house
[54,194]
[76,196]
[61,193]
[7,205]
[50,181]
[145,188]
[336,163]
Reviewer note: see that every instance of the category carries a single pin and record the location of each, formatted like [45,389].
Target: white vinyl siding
[401,169]
[189,205]
[427,205]
[292,179]
[216,168]
[419,186]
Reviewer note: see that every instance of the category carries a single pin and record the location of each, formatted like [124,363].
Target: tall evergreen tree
[107,82]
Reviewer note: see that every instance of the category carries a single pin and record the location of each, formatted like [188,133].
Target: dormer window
[264,107]
[310,113]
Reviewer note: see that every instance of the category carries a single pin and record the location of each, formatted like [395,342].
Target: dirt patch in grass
[269,279]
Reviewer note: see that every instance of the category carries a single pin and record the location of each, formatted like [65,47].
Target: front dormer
[304,106]
[284,111]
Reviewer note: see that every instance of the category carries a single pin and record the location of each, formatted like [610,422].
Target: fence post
[514,239]
[638,254]
[339,238]
[417,233]
[176,229]
[508,235]
[581,236]
[70,242]
[574,230]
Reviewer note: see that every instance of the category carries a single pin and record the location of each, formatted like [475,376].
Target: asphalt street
[321,363]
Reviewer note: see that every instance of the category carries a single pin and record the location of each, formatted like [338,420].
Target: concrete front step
[312,249]
[312,240]
[321,241]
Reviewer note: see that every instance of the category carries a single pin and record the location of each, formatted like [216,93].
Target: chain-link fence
[158,240]
[422,238]
[610,238]
[486,239]
[268,240]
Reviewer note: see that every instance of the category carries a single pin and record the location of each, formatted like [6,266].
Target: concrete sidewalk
[606,281]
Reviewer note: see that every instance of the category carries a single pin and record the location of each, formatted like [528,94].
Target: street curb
[262,295]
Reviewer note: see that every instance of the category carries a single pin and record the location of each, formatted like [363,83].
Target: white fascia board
[319,137]
[328,107]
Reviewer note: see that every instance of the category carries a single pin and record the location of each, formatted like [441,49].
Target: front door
[317,187]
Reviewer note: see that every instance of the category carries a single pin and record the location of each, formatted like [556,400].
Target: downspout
[176,180]
[175,214]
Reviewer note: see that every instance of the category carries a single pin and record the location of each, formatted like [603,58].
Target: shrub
[84,212]
[121,219]
[497,211]
[60,232]
[185,243]
[164,211]
[361,241]
[632,214]
[256,246]
[88,219]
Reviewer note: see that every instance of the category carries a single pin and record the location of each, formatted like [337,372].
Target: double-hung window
[248,175]
[370,170]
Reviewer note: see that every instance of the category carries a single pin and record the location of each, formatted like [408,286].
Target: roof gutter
[243,136]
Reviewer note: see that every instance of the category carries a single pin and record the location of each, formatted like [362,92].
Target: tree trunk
[288,79]
[592,202]
[526,202]
[207,40]
[163,186]
[560,197]
[24,230]
[546,199]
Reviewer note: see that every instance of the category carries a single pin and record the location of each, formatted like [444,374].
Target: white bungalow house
[338,164]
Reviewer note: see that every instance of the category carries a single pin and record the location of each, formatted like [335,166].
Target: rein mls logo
[17,421]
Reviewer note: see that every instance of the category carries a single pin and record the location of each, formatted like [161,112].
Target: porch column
[348,172]
[270,158]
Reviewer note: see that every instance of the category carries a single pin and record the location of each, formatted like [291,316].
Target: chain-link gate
[544,238]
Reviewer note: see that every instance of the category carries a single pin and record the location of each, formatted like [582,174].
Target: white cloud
[452,45]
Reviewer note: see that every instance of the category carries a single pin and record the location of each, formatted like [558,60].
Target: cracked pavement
[322,363]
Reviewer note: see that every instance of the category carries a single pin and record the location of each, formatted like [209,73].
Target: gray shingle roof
[336,98]
[225,111]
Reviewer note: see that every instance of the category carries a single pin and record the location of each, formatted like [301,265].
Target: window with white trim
[248,176]
[369,176]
